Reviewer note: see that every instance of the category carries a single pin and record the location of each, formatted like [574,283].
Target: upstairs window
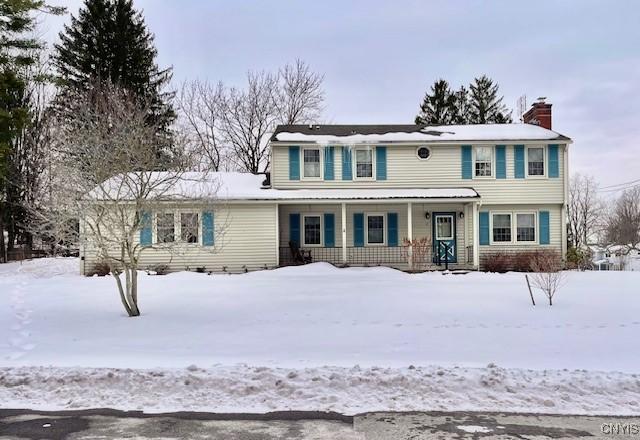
[189,227]
[525,227]
[364,163]
[535,161]
[165,228]
[375,229]
[312,230]
[484,159]
[501,228]
[311,163]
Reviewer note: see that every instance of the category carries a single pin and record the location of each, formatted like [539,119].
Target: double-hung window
[535,161]
[311,163]
[526,227]
[165,227]
[312,230]
[375,229]
[501,229]
[189,227]
[364,163]
[484,161]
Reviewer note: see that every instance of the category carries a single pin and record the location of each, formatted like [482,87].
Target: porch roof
[233,186]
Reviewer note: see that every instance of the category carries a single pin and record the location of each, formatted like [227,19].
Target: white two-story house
[358,194]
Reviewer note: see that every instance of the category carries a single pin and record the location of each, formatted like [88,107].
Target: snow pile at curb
[353,390]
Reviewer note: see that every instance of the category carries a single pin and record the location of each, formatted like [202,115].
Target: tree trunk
[550,301]
[3,251]
[123,297]
[134,292]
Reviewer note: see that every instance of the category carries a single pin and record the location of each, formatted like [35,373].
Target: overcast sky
[379,57]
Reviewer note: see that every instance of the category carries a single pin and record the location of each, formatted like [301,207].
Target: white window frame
[355,163]
[493,162]
[321,152]
[304,236]
[536,233]
[545,162]
[453,220]
[491,214]
[155,228]
[514,228]
[179,224]
[422,158]
[384,228]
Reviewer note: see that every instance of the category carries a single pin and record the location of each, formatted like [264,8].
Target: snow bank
[353,390]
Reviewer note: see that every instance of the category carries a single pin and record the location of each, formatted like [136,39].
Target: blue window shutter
[543,219]
[381,163]
[346,164]
[501,162]
[329,230]
[328,163]
[358,229]
[294,228]
[146,231]
[554,165]
[294,163]
[518,151]
[466,162]
[392,229]
[484,228]
[207,229]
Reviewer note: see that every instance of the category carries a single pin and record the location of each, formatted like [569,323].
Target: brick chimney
[539,114]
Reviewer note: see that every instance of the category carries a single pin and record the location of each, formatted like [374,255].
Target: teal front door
[444,237]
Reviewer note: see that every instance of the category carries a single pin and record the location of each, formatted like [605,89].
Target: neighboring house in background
[614,258]
[350,194]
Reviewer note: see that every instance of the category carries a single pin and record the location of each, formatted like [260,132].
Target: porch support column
[410,233]
[476,237]
[344,233]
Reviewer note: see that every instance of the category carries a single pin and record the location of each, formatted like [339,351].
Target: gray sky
[379,57]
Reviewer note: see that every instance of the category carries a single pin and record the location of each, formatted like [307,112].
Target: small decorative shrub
[160,269]
[201,269]
[519,261]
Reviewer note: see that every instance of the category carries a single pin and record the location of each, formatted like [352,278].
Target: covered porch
[409,234]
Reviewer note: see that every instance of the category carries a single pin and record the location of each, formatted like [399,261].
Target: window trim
[422,158]
[304,237]
[536,233]
[545,162]
[384,228]
[493,162]
[491,214]
[155,228]
[354,165]
[321,153]
[514,228]
[453,220]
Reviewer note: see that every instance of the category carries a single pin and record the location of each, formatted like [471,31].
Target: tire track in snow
[19,334]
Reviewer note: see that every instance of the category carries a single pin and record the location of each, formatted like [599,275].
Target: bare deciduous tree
[232,125]
[113,178]
[299,96]
[623,223]
[585,210]
[198,102]
[547,273]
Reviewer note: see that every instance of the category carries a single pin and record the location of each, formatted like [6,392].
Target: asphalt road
[111,424]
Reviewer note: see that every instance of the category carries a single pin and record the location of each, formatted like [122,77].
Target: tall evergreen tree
[438,106]
[461,113]
[18,50]
[486,107]
[109,41]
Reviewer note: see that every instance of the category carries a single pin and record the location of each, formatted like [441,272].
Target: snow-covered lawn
[318,337]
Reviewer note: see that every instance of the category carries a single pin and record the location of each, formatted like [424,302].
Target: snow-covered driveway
[317,315]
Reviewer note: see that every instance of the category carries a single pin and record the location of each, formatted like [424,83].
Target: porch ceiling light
[427,215]
[461,214]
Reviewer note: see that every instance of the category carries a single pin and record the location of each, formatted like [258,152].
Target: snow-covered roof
[246,186]
[355,134]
